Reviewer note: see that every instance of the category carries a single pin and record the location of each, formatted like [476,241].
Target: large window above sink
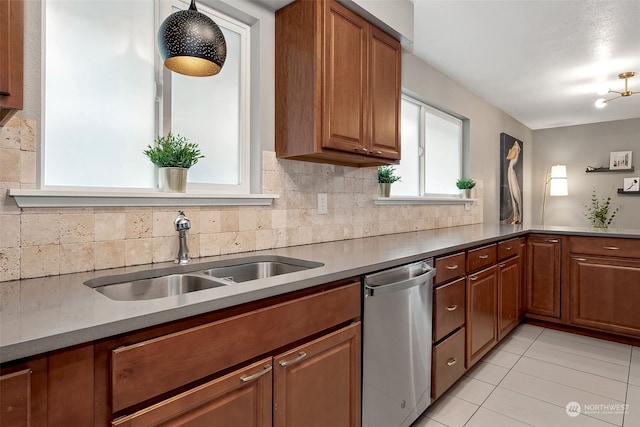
[107,96]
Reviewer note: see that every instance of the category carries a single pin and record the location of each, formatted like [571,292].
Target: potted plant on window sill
[465,185]
[386,177]
[173,155]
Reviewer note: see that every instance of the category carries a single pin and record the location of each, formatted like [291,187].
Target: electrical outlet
[467,206]
[322,204]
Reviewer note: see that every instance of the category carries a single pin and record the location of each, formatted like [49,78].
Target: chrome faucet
[182,225]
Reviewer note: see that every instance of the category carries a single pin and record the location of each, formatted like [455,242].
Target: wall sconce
[191,43]
[555,183]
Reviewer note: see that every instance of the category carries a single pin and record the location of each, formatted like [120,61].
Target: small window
[432,151]
[107,96]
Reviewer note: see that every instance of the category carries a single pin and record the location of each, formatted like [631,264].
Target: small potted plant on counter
[173,155]
[465,185]
[600,213]
[386,177]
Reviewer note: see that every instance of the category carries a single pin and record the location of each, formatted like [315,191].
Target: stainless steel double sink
[178,280]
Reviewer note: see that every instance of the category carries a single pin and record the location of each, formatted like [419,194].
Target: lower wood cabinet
[241,398]
[448,308]
[605,294]
[318,384]
[23,394]
[448,363]
[482,314]
[314,385]
[15,399]
[509,295]
[544,262]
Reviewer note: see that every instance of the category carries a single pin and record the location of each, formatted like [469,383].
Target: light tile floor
[534,374]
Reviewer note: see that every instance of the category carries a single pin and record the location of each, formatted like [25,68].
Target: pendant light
[191,43]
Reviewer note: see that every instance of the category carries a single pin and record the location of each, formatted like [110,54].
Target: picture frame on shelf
[620,160]
[631,184]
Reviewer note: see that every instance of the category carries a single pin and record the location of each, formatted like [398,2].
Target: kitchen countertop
[49,313]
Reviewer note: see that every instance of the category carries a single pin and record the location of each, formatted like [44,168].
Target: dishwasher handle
[428,275]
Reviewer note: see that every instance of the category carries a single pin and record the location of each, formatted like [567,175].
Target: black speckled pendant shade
[190,43]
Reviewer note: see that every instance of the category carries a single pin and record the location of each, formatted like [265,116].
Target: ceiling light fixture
[602,102]
[191,43]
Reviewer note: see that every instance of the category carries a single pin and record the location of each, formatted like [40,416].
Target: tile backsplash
[42,242]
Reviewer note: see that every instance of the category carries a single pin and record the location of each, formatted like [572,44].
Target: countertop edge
[58,340]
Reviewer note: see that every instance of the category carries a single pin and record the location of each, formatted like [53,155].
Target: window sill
[72,199]
[415,200]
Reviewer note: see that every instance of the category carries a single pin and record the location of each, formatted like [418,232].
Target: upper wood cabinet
[337,87]
[11,57]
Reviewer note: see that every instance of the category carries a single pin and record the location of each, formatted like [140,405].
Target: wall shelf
[633,193]
[611,170]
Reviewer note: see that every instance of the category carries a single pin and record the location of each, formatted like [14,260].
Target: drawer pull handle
[483,256]
[508,248]
[452,361]
[579,259]
[473,278]
[503,265]
[452,267]
[360,149]
[378,152]
[247,378]
[552,240]
[452,307]
[611,248]
[301,356]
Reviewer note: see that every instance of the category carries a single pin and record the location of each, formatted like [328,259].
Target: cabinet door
[605,293]
[241,398]
[23,394]
[345,76]
[482,312]
[543,284]
[509,296]
[15,399]
[384,93]
[318,384]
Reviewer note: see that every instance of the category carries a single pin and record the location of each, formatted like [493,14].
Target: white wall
[579,147]
[486,124]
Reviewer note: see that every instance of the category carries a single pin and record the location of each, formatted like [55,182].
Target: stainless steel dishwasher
[396,354]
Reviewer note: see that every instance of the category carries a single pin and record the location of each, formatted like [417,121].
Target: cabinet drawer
[448,363]
[449,267]
[605,246]
[480,258]
[509,248]
[149,368]
[243,397]
[448,308]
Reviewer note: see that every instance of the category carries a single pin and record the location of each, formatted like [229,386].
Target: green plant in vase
[465,185]
[173,155]
[600,213]
[386,177]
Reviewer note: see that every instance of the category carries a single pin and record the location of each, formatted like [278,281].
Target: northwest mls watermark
[574,409]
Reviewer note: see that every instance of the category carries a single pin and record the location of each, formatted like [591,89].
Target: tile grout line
[496,386]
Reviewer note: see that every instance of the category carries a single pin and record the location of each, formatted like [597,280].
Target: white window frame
[423,197]
[197,194]
[245,93]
